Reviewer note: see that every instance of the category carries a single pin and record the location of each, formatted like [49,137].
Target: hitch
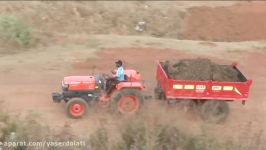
[147,97]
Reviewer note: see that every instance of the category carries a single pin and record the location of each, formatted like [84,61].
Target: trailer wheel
[214,111]
[76,108]
[189,105]
[127,101]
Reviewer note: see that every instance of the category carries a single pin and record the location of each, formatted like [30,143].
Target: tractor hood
[78,79]
[79,82]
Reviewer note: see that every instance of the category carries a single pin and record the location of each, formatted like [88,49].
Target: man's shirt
[120,73]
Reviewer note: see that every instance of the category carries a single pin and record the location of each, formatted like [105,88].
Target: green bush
[14,29]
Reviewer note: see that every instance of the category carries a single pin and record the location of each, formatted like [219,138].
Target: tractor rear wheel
[127,100]
[214,111]
[76,108]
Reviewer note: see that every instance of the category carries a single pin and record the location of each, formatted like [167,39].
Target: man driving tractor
[119,76]
[122,91]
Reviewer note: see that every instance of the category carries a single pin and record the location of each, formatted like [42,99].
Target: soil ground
[29,78]
[239,22]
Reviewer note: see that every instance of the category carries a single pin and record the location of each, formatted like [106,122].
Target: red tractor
[79,91]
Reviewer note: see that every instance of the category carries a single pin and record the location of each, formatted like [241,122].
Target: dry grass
[99,17]
[132,133]
[137,134]
[30,128]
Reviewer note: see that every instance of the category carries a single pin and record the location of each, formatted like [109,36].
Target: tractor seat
[125,77]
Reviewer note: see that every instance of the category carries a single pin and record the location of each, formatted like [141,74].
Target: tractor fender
[136,85]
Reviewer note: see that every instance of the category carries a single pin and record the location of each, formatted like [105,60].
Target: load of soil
[199,69]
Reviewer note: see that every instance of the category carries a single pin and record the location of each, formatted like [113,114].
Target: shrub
[135,135]
[99,140]
[203,142]
[169,138]
[12,28]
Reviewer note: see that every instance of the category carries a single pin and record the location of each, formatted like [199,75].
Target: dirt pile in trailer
[199,69]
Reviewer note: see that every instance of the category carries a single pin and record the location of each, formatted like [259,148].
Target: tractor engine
[86,87]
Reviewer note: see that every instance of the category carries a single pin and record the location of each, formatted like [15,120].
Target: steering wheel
[106,76]
[113,72]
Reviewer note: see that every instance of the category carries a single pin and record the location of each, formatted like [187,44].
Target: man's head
[118,63]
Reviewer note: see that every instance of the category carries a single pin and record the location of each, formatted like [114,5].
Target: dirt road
[27,80]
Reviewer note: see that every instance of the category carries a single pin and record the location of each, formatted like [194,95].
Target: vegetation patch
[13,29]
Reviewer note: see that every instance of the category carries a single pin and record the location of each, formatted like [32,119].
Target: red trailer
[210,96]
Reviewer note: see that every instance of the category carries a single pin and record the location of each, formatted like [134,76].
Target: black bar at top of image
[136,0]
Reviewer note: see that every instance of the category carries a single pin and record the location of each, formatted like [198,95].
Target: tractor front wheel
[76,108]
[127,101]
[214,111]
